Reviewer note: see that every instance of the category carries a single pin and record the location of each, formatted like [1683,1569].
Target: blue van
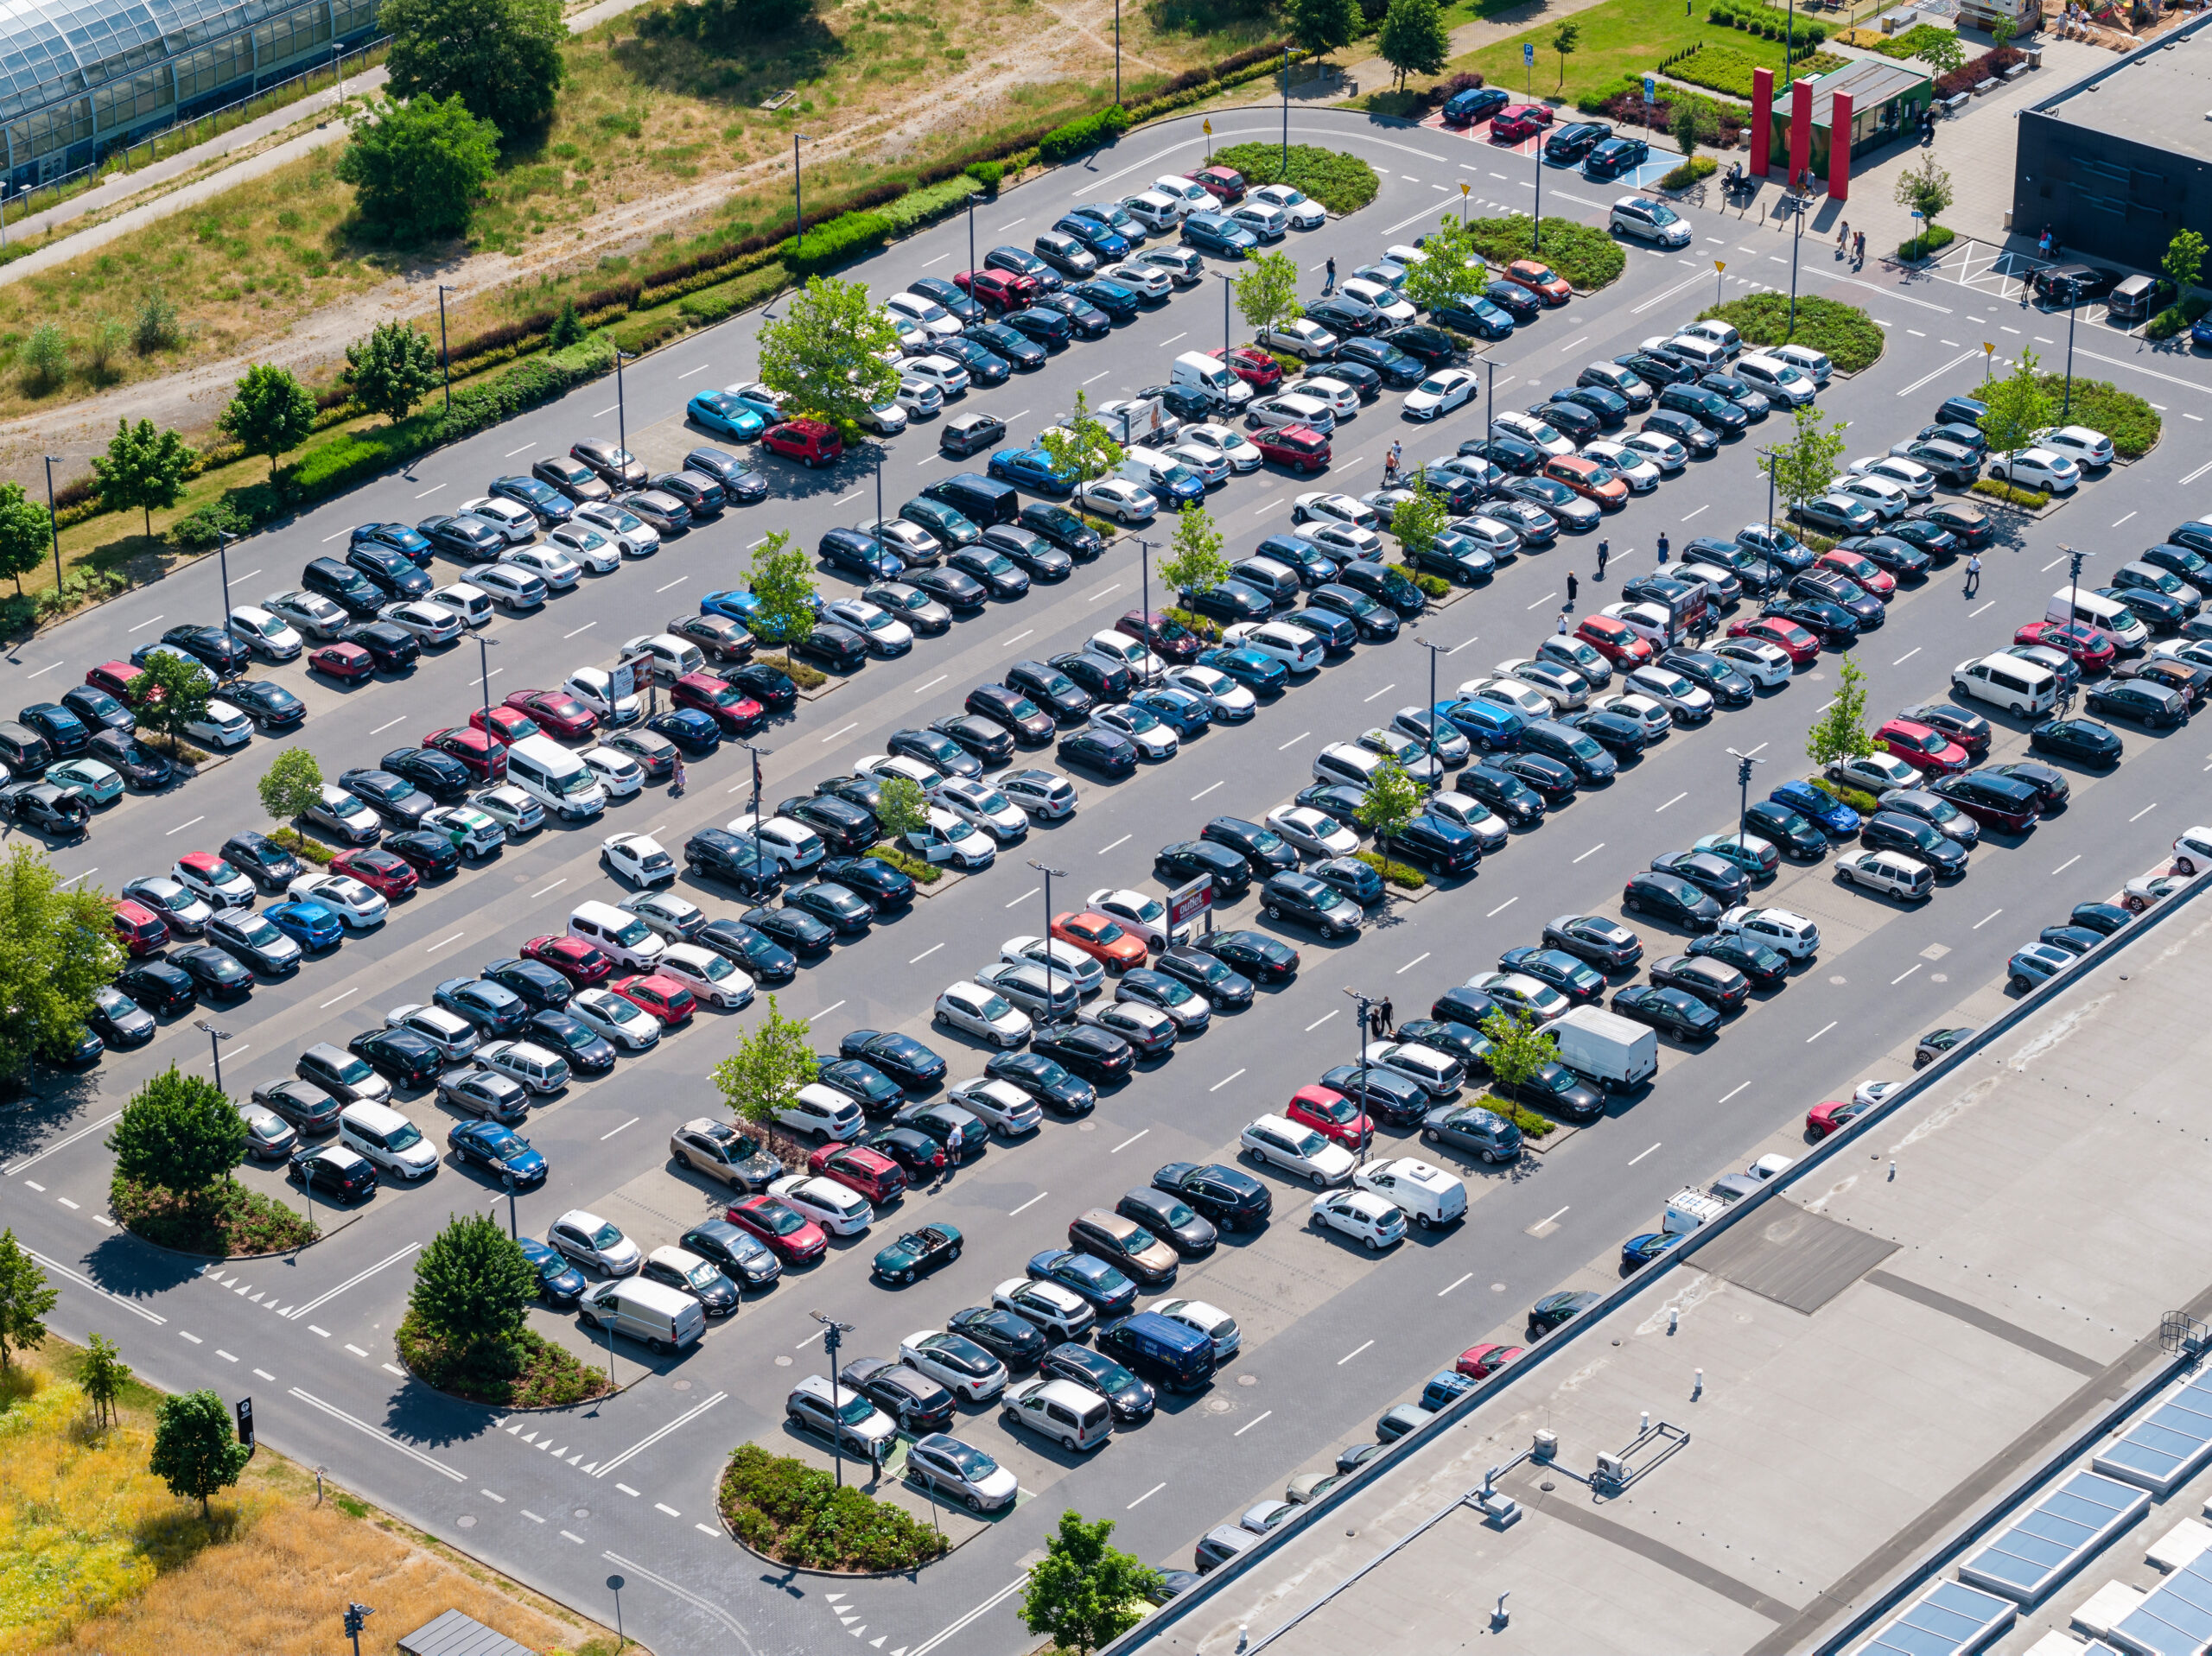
[1162,1351]
[1487,724]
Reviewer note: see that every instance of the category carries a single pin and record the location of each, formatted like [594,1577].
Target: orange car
[1539,280]
[1102,938]
[1592,481]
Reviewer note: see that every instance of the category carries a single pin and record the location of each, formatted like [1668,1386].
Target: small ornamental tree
[24,1299]
[1083,1592]
[1803,463]
[1840,731]
[2019,408]
[1417,520]
[1565,39]
[1394,799]
[1925,188]
[1194,561]
[103,1375]
[169,693]
[291,785]
[270,413]
[474,1287]
[825,352]
[772,1062]
[196,1447]
[1320,26]
[143,467]
[1516,1050]
[1941,52]
[785,585]
[1684,127]
[1266,294]
[1081,444]
[2183,261]
[178,1133]
[26,534]
[1451,268]
[392,370]
[904,808]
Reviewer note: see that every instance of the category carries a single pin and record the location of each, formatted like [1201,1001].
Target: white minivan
[556,779]
[2091,610]
[620,933]
[392,1144]
[651,1312]
[1210,377]
[2007,681]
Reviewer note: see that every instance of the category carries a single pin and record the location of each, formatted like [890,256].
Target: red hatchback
[1925,749]
[1255,367]
[1170,640]
[139,929]
[116,677]
[485,758]
[733,711]
[1002,290]
[347,663]
[1880,582]
[1333,1115]
[664,998]
[810,441]
[580,962]
[1224,184]
[557,710]
[1837,1113]
[384,872]
[1480,1363]
[1787,637]
[2091,648]
[1518,121]
[510,724]
[1611,638]
[856,1167]
[789,1235]
[1300,447]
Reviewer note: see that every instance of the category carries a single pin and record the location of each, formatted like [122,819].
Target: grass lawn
[1619,37]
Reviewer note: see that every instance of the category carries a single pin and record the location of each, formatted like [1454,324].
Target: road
[1331,1339]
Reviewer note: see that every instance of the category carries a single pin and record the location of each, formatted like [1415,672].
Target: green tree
[1943,53]
[772,1062]
[905,809]
[1413,38]
[392,370]
[1418,519]
[1320,26]
[291,784]
[144,468]
[1393,800]
[501,58]
[2018,409]
[44,359]
[103,1375]
[24,1299]
[1083,1592]
[474,1288]
[270,413]
[2183,262]
[1840,731]
[156,328]
[196,1447]
[1803,463]
[2001,33]
[1516,1050]
[1452,267]
[419,169]
[169,693]
[1194,561]
[1684,128]
[57,947]
[1565,39]
[1266,294]
[1081,443]
[785,585]
[26,533]
[178,1133]
[824,352]
[567,327]
[1925,188]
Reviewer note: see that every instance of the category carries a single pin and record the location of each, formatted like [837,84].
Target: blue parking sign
[1650,89]
[1528,53]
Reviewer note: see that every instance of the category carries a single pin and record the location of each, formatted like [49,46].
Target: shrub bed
[807,678]
[1342,183]
[533,1372]
[1585,255]
[1433,586]
[1404,876]
[1681,177]
[928,873]
[2027,499]
[1859,801]
[1622,102]
[1725,69]
[2131,423]
[1845,334]
[1930,241]
[1204,625]
[1987,66]
[300,846]
[175,746]
[785,1510]
[226,1219]
[1531,1124]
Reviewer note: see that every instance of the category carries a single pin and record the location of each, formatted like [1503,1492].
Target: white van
[670,657]
[1210,377]
[624,936]
[1344,763]
[1717,331]
[1154,469]
[1427,1195]
[651,1312]
[1075,1416]
[2007,681]
[392,1144]
[2091,610]
[472,604]
[556,779]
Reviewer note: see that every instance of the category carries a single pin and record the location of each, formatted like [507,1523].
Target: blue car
[1093,1279]
[497,1150]
[688,728]
[1216,233]
[736,603]
[1476,103]
[557,1279]
[1180,710]
[1470,314]
[1444,1386]
[724,415]
[1180,484]
[2036,964]
[2200,330]
[1101,238]
[397,537]
[1834,818]
[1486,724]
[1032,469]
[1261,675]
[310,925]
[1639,1251]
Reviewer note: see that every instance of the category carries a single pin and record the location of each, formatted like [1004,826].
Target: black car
[1431,346]
[1102,750]
[1051,689]
[537,984]
[391,647]
[2082,739]
[1043,1079]
[738,1255]
[392,572]
[1265,852]
[1437,844]
[1552,782]
[267,864]
[1013,1340]
[224,654]
[1611,407]
[1021,718]
[1889,830]
[917,1403]
[1619,734]
[1795,837]
[1388,1096]
[794,929]
[1171,1218]
[1575,139]
[1097,1054]
[1723,682]
[1676,1013]
[442,777]
[1224,988]
[846,828]
[214,971]
[303,1104]
[337,1170]
[1232,1200]
[1514,300]
[1231,602]
[1655,370]
[1570,419]
[900,1057]
[734,858]
[1258,956]
[1310,903]
[99,711]
[839,649]
[1670,898]
[1462,1041]
[1765,968]
[1348,319]
[767,960]
[982,739]
[1708,871]
[252,940]
[872,880]
[1189,860]
[119,1021]
[2051,788]
[160,987]
[431,854]
[588,1053]
[1580,983]
[1830,623]
[395,799]
[1721,986]
[1063,527]
[401,1057]
[1130,1398]
[738,481]
[874,1092]
[1389,365]
[45,806]
[1506,794]
[772,687]
[2154,706]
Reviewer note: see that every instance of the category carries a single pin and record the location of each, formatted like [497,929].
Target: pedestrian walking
[1570,589]
[1392,462]
[1562,624]
[1663,550]
[1859,248]
[1389,1016]
[1329,280]
[675,779]
[1604,552]
[1974,574]
[1842,234]
[1377,1029]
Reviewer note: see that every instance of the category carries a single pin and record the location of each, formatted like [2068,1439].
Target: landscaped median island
[788,1512]
[1843,334]
[175,1144]
[467,1332]
[2130,421]
[1585,255]
[1340,181]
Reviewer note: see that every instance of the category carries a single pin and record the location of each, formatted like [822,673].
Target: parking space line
[1143,1498]
[1026,895]
[1676,800]
[925,954]
[1203,791]
[1591,852]
[2145,812]
[1027,1205]
[610,1131]
[1501,908]
[2068,864]
[1322,1019]
[1127,1142]
[1224,1081]
[1448,1289]
[1354,1352]
[1410,964]
[1256,1419]
[1116,846]
[1819,1032]
[1292,742]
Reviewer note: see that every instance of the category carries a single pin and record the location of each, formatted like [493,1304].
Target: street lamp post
[484,680]
[1364,1003]
[54,522]
[973,197]
[798,194]
[1490,395]
[2073,599]
[1795,242]
[2073,305]
[514,1232]
[1743,764]
[1228,283]
[445,356]
[881,449]
[223,567]
[1050,873]
[621,412]
[1144,565]
[1436,771]
[1767,549]
[833,1335]
[1286,106]
[357,1616]
[759,850]
[215,1039]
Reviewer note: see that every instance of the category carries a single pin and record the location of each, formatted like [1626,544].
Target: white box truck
[1605,1049]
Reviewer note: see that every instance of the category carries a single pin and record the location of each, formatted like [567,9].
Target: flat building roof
[1871,83]
[2162,98]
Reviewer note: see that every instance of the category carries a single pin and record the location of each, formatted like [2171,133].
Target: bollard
[1645,1424]
[1673,1319]
[1893,1170]
[1697,1390]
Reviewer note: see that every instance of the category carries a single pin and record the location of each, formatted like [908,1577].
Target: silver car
[1000,1103]
[453,1036]
[1024,983]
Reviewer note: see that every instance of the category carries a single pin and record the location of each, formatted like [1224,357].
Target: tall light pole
[1743,764]
[2073,305]
[1117,52]
[54,522]
[1795,241]
[881,449]
[445,356]
[1490,395]
[799,194]
[1364,1003]
[1767,551]
[215,1039]
[1434,650]
[513,1233]
[1228,283]
[1144,564]
[759,850]
[356,1616]
[973,197]
[223,566]
[1286,108]
[2074,588]
[621,412]
[484,678]
[1050,873]
[833,1335]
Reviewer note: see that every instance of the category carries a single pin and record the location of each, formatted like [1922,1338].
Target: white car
[946,839]
[1765,664]
[215,882]
[1648,621]
[1291,409]
[927,313]
[1061,1312]
[2080,444]
[583,1236]
[1125,651]
[1294,647]
[1298,1150]
[637,537]
[984,806]
[917,772]
[1523,698]
[671,919]
[1689,703]
[1146,280]
[354,904]
[530,1066]
[1342,399]
[1382,296]
[1233,447]
[507,586]
[1438,1074]
[1427,1195]
[625,1023]
[1361,1215]
[1886,499]
[823,1111]
[220,725]
[1313,832]
[1299,336]
[311,613]
[838,1208]
[453,1036]
[1786,933]
[614,771]
[1916,479]
[550,564]
[514,811]
[472,606]
[1147,916]
[1471,814]
[1488,474]
[1117,499]
[1652,719]
[1520,992]
[1001,1103]
[1346,543]
[265,634]
[2038,468]
[1410,753]
[1326,506]
[638,858]
[1563,686]
[1154,740]
[516,522]
[1778,381]
[1209,466]
[586,547]
[1530,429]
[984,1013]
[886,635]
[946,376]
[1156,210]
[792,844]
[1263,221]
[1305,213]
[1229,699]
[1889,872]
[1661,450]
[1443,391]
[1045,795]
[1193,196]
[1500,542]
[964,1368]
[429,623]
[1874,773]
[1636,470]
[714,979]
[1067,959]
[2195,652]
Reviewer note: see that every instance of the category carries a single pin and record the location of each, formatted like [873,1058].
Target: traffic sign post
[1720,267]
[1529,62]
[246,1424]
[1463,189]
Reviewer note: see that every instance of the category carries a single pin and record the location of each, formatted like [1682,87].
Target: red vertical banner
[1801,130]
[1762,119]
[1839,147]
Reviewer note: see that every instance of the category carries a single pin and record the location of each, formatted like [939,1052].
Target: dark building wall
[2106,198]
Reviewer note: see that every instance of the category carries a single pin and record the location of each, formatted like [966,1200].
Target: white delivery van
[2008,681]
[620,933]
[1430,1196]
[1687,1209]
[556,779]
[392,1143]
[1210,377]
[2091,610]
[1154,470]
[649,1312]
[1605,1049]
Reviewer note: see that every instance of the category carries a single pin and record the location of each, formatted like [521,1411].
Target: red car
[580,962]
[1787,637]
[1880,582]
[1002,290]
[1255,367]
[664,998]
[735,713]
[810,441]
[388,875]
[1333,1115]
[2004,810]
[1824,1119]
[139,929]
[1541,280]
[1923,748]
[557,711]
[1170,641]
[347,663]
[485,756]
[788,1234]
[1518,121]
[1224,184]
[1101,937]
[1610,638]
[856,1167]
[510,724]
[116,677]
[1300,447]
[1480,1363]
[2092,648]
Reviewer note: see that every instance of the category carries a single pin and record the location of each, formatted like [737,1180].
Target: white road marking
[1410,964]
[556,886]
[933,683]
[180,826]
[1986,919]
[925,954]
[1819,1032]
[263,1374]
[586,627]
[1907,656]
[1541,1223]
[1117,844]
[1385,690]
[1127,1142]
[1318,1022]
[2068,864]
[670,1511]
[1027,1205]
[1203,791]
[1972,613]
[1025,897]
[610,1131]
[323,1299]
[1143,1498]
[1501,908]
[434,947]
[1676,800]
[1224,1081]
[388,724]
[1707,506]
[1591,852]
[1443,1291]
[840,731]
[2145,812]
[1354,1352]
[1292,742]
[652,1438]
[408,1450]
[1253,1422]
[194,1338]
[678,581]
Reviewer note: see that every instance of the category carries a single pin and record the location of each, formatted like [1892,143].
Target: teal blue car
[918,1252]
[96,784]
[724,415]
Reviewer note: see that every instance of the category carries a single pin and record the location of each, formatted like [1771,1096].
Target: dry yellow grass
[99,1557]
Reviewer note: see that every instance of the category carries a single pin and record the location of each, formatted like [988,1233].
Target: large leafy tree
[143,467]
[291,784]
[417,168]
[24,1299]
[785,585]
[1194,561]
[1084,1592]
[825,352]
[1516,1050]
[169,693]
[1803,462]
[1451,268]
[474,1287]
[772,1062]
[26,533]
[1266,294]
[1414,39]
[196,1447]
[392,370]
[904,807]
[270,413]
[2019,408]
[178,1133]
[1393,800]
[1323,25]
[502,57]
[1418,519]
[1840,731]
[57,946]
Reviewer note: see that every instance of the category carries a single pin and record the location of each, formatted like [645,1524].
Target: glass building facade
[80,80]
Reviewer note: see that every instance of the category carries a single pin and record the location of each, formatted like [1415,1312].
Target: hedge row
[1726,69]
[1755,18]
[852,236]
[1587,258]
[782,1507]
[1987,66]
[1066,142]
[1622,101]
